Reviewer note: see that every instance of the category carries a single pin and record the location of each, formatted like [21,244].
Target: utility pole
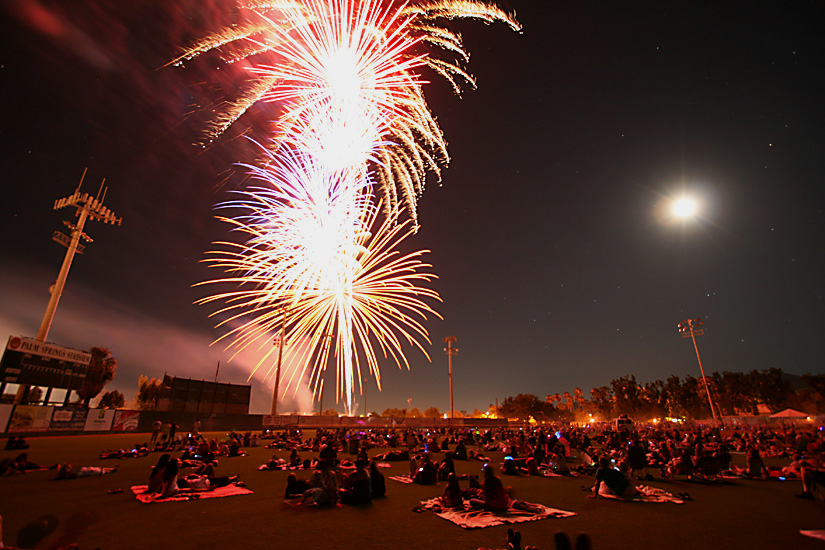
[450,351]
[686,329]
[281,339]
[87,207]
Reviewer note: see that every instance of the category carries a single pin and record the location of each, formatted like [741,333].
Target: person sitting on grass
[169,484]
[460,451]
[156,477]
[16,442]
[615,482]
[811,472]
[295,487]
[495,498]
[323,490]
[755,468]
[426,474]
[452,493]
[446,467]
[682,465]
[357,487]
[558,465]
[66,471]
[379,484]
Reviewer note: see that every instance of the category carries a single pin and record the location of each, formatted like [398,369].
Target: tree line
[732,394]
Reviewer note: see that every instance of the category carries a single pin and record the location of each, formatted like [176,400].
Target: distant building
[187,395]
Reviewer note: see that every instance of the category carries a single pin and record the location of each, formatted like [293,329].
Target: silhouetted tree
[603,401]
[111,400]
[102,368]
[148,393]
[523,406]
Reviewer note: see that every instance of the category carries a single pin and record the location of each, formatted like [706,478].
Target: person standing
[164,433]
[156,426]
[172,429]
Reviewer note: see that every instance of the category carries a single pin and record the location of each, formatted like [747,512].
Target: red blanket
[230,490]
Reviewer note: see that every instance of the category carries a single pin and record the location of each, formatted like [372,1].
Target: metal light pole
[686,328]
[450,351]
[88,207]
[281,339]
[323,375]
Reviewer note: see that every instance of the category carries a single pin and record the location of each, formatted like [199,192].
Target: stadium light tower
[687,329]
[450,351]
[280,342]
[87,208]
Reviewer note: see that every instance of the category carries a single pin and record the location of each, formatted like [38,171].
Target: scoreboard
[29,361]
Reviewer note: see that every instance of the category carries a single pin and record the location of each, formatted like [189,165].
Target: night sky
[557,264]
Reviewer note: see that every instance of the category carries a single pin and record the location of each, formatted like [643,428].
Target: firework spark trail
[302,52]
[344,73]
[322,255]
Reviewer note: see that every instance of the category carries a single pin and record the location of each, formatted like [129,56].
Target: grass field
[734,514]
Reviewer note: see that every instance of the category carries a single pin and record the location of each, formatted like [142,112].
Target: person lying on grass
[66,471]
[172,485]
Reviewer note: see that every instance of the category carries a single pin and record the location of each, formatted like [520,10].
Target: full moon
[684,208]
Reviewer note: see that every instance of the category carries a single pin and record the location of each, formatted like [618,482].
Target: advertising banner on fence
[99,420]
[30,418]
[270,420]
[5,414]
[68,419]
[126,421]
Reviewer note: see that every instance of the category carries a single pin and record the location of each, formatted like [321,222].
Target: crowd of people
[339,470]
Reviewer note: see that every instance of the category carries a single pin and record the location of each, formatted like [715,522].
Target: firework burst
[344,73]
[345,77]
[314,246]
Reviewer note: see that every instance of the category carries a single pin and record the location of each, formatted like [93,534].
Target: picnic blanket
[470,518]
[647,494]
[402,479]
[230,490]
[551,473]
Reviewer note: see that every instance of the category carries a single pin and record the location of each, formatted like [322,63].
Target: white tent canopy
[789,413]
